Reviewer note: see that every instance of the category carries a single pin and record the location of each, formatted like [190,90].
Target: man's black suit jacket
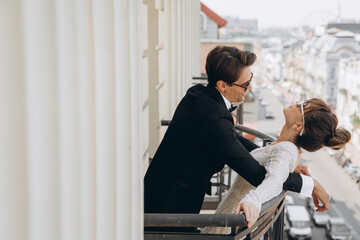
[199,141]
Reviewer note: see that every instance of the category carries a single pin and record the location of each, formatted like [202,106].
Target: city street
[344,192]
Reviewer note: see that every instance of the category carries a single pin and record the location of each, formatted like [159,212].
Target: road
[344,192]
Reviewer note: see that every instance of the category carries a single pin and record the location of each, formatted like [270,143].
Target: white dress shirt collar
[227,102]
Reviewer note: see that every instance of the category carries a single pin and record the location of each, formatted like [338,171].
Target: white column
[13,162]
[105,119]
[192,26]
[86,125]
[197,38]
[167,46]
[174,56]
[123,119]
[42,119]
[68,125]
[179,45]
[137,217]
[184,79]
[186,37]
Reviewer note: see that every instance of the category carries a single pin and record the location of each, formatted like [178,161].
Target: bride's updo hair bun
[321,128]
[340,138]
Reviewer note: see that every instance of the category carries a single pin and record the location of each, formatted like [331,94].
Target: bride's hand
[302,169]
[251,212]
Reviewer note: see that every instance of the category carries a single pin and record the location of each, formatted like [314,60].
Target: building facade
[210,23]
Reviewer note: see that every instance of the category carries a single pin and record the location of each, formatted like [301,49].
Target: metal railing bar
[259,222]
[220,184]
[269,224]
[194,220]
[181,236]
[273,202]
[204,220]
[267,210]
[200,78]
[278,226]
[254,132]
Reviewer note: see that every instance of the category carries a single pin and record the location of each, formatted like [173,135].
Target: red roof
[213,16]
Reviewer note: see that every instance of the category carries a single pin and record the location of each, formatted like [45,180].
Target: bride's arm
[277,172]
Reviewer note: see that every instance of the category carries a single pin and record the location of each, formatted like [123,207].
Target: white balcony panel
[42,119]
[105,119]
[144,27]
[13,147]
[68,125]
[86,118]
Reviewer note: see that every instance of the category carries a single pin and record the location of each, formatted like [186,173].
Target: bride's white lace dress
[278,159]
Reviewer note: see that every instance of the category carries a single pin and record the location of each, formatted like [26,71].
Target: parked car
[269,114]
[299,222]
[357,180]
[320,218]
[345,161]
[264,102]
[350,168]
[355,174]
[289,200]
[331,152]
[336,228]
[310,204]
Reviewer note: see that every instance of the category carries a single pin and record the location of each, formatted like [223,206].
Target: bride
[309,125]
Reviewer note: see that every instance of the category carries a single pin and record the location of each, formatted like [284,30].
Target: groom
[201,139]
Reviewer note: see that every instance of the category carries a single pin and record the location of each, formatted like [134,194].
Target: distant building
[349,88]
[249,25]
[345,26]
[210,23]
[321,57]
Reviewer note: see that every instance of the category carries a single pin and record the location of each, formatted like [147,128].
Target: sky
[286,13]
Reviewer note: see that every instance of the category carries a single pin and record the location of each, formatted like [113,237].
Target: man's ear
[221,85]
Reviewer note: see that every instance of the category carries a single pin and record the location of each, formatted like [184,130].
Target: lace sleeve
[278,167]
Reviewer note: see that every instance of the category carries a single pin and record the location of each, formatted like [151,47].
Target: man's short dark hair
[226,63]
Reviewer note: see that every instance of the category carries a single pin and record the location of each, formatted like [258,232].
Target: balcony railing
[270,224]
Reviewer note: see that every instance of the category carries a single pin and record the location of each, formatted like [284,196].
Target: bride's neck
[286,135]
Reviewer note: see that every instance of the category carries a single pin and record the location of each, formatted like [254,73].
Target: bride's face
[293,114]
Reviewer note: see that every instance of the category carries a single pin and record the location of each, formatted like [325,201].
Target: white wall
[80,104]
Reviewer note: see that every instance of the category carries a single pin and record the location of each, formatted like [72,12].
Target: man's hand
[302,169]
[251,212]
[319,194]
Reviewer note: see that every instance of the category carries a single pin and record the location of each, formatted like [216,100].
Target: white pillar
[86,125]
[42,119]
[197,38]
[174,56]
[68,125]
[137,217]
[123,119]
[180,73]
[105,119]
[13,151]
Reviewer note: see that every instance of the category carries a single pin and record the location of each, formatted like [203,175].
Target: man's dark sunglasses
[245,85]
